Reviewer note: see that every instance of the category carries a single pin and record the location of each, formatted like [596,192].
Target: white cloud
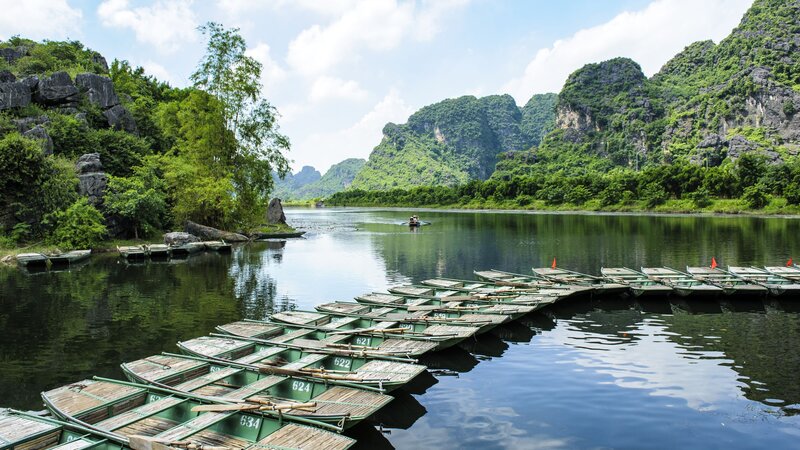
[327,88]
[650,37]
[271,73]
[326,7]
[40,19]
[157,70]
[375,25]
[166,25]
[322,150]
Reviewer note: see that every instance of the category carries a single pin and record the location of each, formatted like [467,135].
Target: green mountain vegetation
[716,129]
[89,151]
[454,141]
[308,184]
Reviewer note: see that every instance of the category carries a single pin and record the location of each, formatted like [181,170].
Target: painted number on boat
[301,386]
[155,398]
[362,340]
[214,368]
[440,315]
[341,362]
[249,422]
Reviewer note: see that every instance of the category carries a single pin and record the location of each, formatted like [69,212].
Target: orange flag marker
[554,263]
[789,262]
[713,262]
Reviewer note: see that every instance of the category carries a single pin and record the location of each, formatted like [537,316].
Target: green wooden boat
[132,252]
[444,336]
[777,285]
[217,246]
[396,308]
[486,314]
[498,297]
[640,284]
[518,280]
[70,258]
[136,412]
[729,283]
[488,288]
[564,276]
[335,404]
[364,368]
[384,338]
[682,283]
[24,431]
[32,260]
[158,250]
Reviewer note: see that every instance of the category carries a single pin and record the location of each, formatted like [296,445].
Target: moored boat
[408,313]
[729,283]
[598,284]
[682,283]
[503,278]
[498,296]
[442,335]
[335,404]
[69,258]
[777,285]
[489,288]
[361,367]
[158,250]
[217,246]
[136,412]
[132,251]
[312,338]
[789,272]
[32,260]
[639,284]
[24,431]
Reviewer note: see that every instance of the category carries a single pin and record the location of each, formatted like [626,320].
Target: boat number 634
[249,422]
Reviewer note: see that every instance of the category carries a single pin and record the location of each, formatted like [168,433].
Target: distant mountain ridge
[309,184]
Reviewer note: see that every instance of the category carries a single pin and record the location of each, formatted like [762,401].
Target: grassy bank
[776,206]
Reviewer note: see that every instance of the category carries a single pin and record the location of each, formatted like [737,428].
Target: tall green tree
[234,79]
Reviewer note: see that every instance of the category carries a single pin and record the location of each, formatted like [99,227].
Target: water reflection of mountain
[456,244]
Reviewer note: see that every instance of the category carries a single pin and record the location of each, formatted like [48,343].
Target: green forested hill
[454,141]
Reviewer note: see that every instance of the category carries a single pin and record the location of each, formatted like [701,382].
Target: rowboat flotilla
[791,272]
[334,403]
[598,284]
[777,285]
[682,283]
[134,411]
[490,288]
[640,284]
[729,283]
[362,367]
[499,296]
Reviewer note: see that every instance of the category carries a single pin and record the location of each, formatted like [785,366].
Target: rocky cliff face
[454,141]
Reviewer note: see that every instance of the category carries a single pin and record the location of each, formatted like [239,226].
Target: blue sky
[338,70]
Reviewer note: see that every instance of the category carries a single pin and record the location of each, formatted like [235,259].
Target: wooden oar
[300,373]
[257,406]
[371,330]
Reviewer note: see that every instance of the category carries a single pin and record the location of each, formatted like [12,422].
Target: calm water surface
[611,372]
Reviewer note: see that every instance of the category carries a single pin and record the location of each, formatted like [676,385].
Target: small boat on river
[335,366]
[463,305]
[25,431]
[496,297]
[682,283]
[133,251]
[502,278]
[70,258]
[777,285]
[136,412]
[320,333]
[729,283]
[32,260]
[158,250]
[790,272]
[639,283]
[488,288]
[334,404]
[443,335]
[409,313]
[598,284]
[217,246]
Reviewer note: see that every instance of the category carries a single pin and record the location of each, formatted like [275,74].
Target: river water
[605,372]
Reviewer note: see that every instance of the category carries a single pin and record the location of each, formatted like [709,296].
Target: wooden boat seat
[255,387]
[121,421]
[301,437]
[218,346]
[383,298]
[207,379]
[251,329]
[260,355]
[339,400]
[292,335]
[150,426]
[306,361]
[77,444]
